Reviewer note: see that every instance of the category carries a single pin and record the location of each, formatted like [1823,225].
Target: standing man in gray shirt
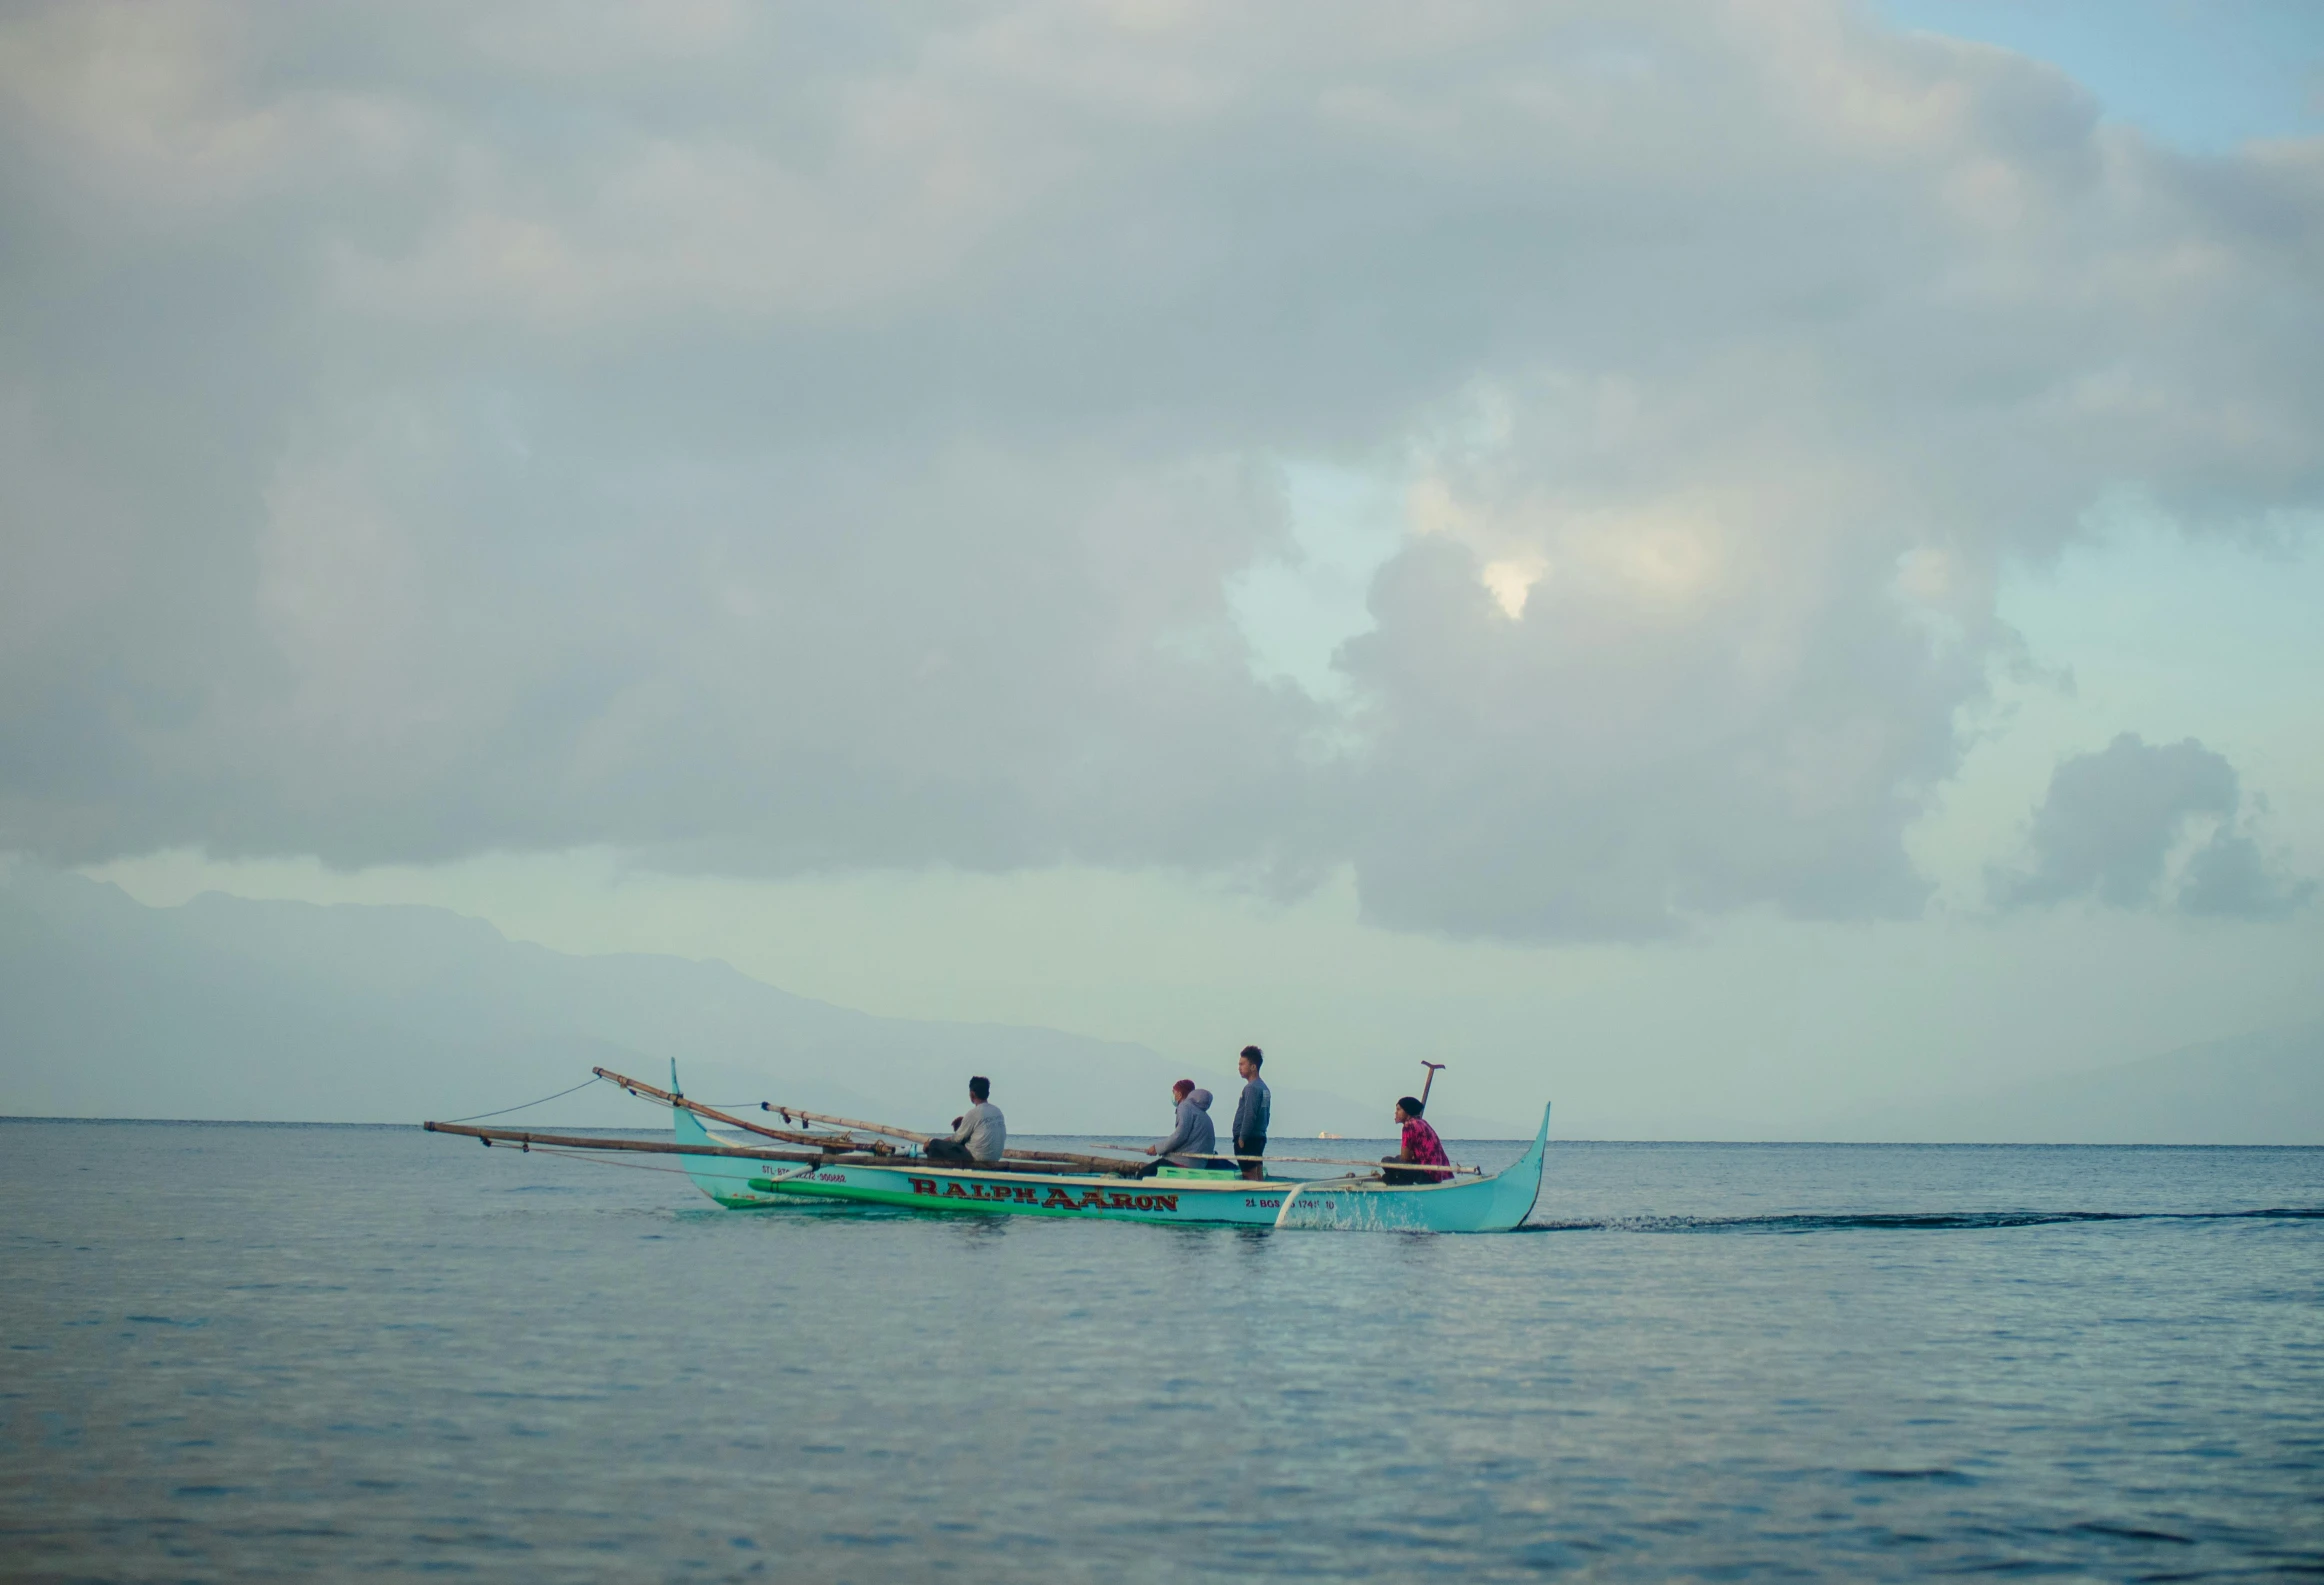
[978,1134]
[1251,1114]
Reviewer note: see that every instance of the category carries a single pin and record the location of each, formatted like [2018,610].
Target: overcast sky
[1694,560]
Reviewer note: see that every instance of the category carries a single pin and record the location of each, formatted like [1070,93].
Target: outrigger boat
[843,1159]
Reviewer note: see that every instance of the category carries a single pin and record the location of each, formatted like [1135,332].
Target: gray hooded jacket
[1190,1143]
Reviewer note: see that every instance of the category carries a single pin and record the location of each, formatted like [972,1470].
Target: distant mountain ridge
[230,1008]
[2265,1088]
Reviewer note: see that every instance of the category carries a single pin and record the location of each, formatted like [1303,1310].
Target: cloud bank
[2140,825]
[826,438]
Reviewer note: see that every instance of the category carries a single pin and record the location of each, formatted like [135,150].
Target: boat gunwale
[921,1167]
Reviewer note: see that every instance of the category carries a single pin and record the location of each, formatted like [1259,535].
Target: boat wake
[1901,1221]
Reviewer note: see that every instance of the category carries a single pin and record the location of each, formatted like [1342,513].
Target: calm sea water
[283,1352]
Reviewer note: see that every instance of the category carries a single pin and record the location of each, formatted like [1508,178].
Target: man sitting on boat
[978,1134]
[1421,1148]
[1193,1138]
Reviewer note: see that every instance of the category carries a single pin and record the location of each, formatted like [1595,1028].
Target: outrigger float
[821,1157]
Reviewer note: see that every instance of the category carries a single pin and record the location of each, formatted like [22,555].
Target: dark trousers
[947,1150]
[1407,1176]
[1253,1170]
[1203,1164]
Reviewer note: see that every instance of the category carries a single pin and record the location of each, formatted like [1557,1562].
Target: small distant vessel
[1328,1134]
[843,1159]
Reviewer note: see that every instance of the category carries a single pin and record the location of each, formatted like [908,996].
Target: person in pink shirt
[1421,1148]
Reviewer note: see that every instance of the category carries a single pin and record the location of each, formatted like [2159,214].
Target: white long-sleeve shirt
[983,1130]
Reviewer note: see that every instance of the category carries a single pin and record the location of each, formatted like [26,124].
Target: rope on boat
[543,1101]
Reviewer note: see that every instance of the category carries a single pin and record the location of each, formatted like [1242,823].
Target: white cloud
[840,439]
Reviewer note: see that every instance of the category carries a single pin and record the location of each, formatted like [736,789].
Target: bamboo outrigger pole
[1363,1161]
[841,1144]
[670,1098]
[525,1140]
[788,1112]
[659,1147]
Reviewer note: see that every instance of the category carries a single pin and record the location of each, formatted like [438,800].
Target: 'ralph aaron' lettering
[1059,1198]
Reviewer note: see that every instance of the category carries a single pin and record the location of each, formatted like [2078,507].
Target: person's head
[1182,1089]
[1408,1108]
[1248,1063]
[978,1088]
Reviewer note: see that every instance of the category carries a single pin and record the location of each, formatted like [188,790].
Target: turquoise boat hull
[1468,1205]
